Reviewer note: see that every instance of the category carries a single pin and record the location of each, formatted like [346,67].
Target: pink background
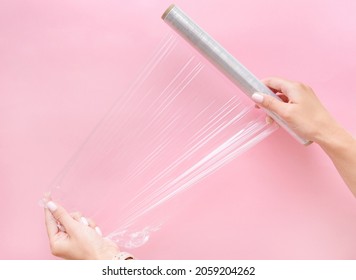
[62,64]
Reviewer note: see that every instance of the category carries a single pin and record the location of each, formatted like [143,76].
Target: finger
[92,224]
[61,215]
[51,224]
[77,216]
[84,221]
[98,231]
[269,120]
[47,197]
[269,102]
[277,84]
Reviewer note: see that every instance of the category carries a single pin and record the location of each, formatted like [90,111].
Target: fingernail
[51,206]
[97,229]
[84,221]
[257,97]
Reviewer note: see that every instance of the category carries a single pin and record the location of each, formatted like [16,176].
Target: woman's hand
[302,110]
[304,113]
[72,236]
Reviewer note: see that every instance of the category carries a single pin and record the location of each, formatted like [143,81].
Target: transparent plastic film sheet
[180,121]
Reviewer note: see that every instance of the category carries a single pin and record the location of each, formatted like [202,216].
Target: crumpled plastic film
[179,122]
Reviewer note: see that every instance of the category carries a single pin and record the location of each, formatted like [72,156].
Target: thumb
[269,102]
[61,215]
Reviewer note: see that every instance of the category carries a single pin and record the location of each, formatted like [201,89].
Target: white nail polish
[257,97]
[84,221]
[97,229]
[51,206]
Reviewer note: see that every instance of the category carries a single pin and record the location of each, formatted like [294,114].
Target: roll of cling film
[178,123]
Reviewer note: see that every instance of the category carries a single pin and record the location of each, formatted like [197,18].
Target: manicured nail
[84,221]
[51,206]
[257,97]
[97,229]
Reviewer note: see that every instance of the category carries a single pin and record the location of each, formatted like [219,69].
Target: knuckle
[307,87]
[268,102]
[287,114]
[60,215]
[271,103]
[76,214]
[297,85]
[301,86]
[266,81]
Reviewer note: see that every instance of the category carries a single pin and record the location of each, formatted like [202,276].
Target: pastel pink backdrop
[62,64]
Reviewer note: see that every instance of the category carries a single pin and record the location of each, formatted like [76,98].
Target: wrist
[123,256]
[335,139]
[107,254]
